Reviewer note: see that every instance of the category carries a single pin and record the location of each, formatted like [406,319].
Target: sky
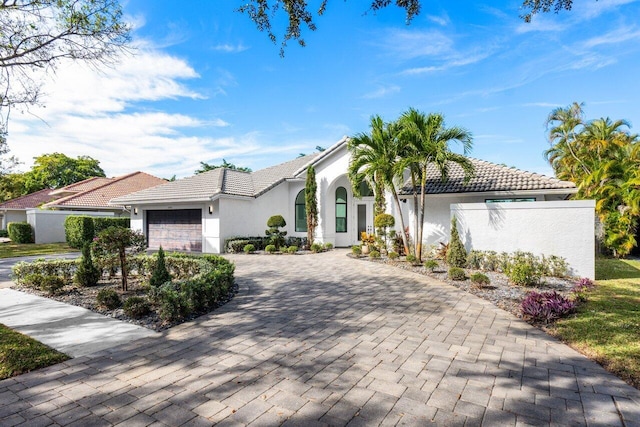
[201,83]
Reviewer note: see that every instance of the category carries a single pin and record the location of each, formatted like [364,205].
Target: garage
[175,230]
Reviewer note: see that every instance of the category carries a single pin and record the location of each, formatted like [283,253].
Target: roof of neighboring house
[29,201]
[206,185]
[84,185]
[109,188]
[489,177]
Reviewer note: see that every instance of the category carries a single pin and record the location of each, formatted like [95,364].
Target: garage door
[175,229]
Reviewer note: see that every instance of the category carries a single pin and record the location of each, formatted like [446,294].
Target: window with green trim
[341,210]
[301,212]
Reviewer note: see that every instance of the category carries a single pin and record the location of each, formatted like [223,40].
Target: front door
[365,218]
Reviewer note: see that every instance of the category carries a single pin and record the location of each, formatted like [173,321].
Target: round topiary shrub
[136,307]
[52,284]
[480,279]
[374,254]
[356,250]
[431,264]
[393,255]
[270,249]
[457,273]
[108,298]
[292,249]
[249,249]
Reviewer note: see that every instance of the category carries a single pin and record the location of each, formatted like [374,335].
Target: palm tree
[374,159]
[563,125]
[427,141]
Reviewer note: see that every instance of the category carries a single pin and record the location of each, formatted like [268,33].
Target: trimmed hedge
[81,229]
[20,232]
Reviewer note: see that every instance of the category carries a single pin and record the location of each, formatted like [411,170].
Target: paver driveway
[327,340]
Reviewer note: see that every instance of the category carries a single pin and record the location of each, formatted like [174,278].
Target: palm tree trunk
[404,235]
[423,183]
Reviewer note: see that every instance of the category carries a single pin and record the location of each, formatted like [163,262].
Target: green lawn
[607,327]
[9,250]
[20,354]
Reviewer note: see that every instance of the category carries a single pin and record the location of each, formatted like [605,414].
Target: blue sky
[202,84]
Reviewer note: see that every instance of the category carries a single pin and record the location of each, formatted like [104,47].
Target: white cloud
[230,48]
[406,44]
[619,35]
[442,20]
[382,92]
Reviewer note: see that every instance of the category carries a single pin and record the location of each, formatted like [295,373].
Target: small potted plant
[368,242]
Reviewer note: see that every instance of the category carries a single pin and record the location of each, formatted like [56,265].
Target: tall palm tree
[564,125]
[374,159]
[427,140]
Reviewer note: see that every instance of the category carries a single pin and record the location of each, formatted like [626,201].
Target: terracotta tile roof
[99,196]
[219,181]
[29,201]
[87,184]
[489,177]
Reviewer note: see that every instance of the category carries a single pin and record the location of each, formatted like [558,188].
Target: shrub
[4,233]
[103,222]
[270,249]
[237,244]
[411,258]
[275,223]
[523,273]
[173,304]
[87,273]
[316,248]
[32,280]
[475,259]
[374,254]
[52,284]
[64,268]
[120,241]
[160,273]
[136,307]
[457,255]
[546,306]
[20,232]
[480,279]
[328,246]
[292,249]
[393,255]
[456,273]
[581,288]
[300,242]
[108,298]
[249,248]
[555,266]
[78,230]
[356,250]
[431,264]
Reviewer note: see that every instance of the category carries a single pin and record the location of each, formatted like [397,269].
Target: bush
[411,258]
[546,306]
[523,273]
[121,242]
[136,307]
[356,250]
[316,248]
[173,304]
[160,273]
[292,249]
[78,230]
[300,242]
[457,273]
[20,232]
[249,248]
[374,254]
[52,284]
[475,259]
[328,246]
[108,298]
[275,223]
[4,233]
[32,280]
[393,255]
[87,273]
[237,244]
[480,279]
[456,255]
[102,223]
[64,268]
[581,288]
[270,249]
[431,264]
[555,266]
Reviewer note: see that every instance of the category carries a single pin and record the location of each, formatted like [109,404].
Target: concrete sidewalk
[72,330]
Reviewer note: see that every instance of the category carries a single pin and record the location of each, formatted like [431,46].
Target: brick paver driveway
[326,340]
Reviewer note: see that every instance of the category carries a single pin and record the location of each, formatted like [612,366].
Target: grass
[20,354]
[10,250]
[607,327]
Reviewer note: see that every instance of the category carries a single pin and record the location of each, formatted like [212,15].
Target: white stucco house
[199,213]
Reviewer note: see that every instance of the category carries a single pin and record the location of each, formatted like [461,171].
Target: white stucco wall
[562,228]
[49,225]
[13,216]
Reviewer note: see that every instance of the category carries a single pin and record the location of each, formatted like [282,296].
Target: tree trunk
[123,269]
[404,235]
[423,183]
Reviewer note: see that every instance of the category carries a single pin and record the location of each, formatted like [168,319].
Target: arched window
[301,212]
[341,210]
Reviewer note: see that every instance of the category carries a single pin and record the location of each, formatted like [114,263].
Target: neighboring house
[47,209]
[199,213]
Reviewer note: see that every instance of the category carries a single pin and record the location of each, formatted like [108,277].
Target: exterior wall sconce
[135,211]
[210,209]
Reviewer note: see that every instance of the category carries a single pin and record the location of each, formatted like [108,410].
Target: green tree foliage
[425,142]
[120,242]
[11,186]
[375,158]
[602,158]
[299,16]
[276,236]
[311,203]
[57,170]
[205,167]
[87,273]
[38,34]
[457,254]
[160,274]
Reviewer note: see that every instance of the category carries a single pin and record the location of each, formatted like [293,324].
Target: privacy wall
[49,225]
[563,228]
